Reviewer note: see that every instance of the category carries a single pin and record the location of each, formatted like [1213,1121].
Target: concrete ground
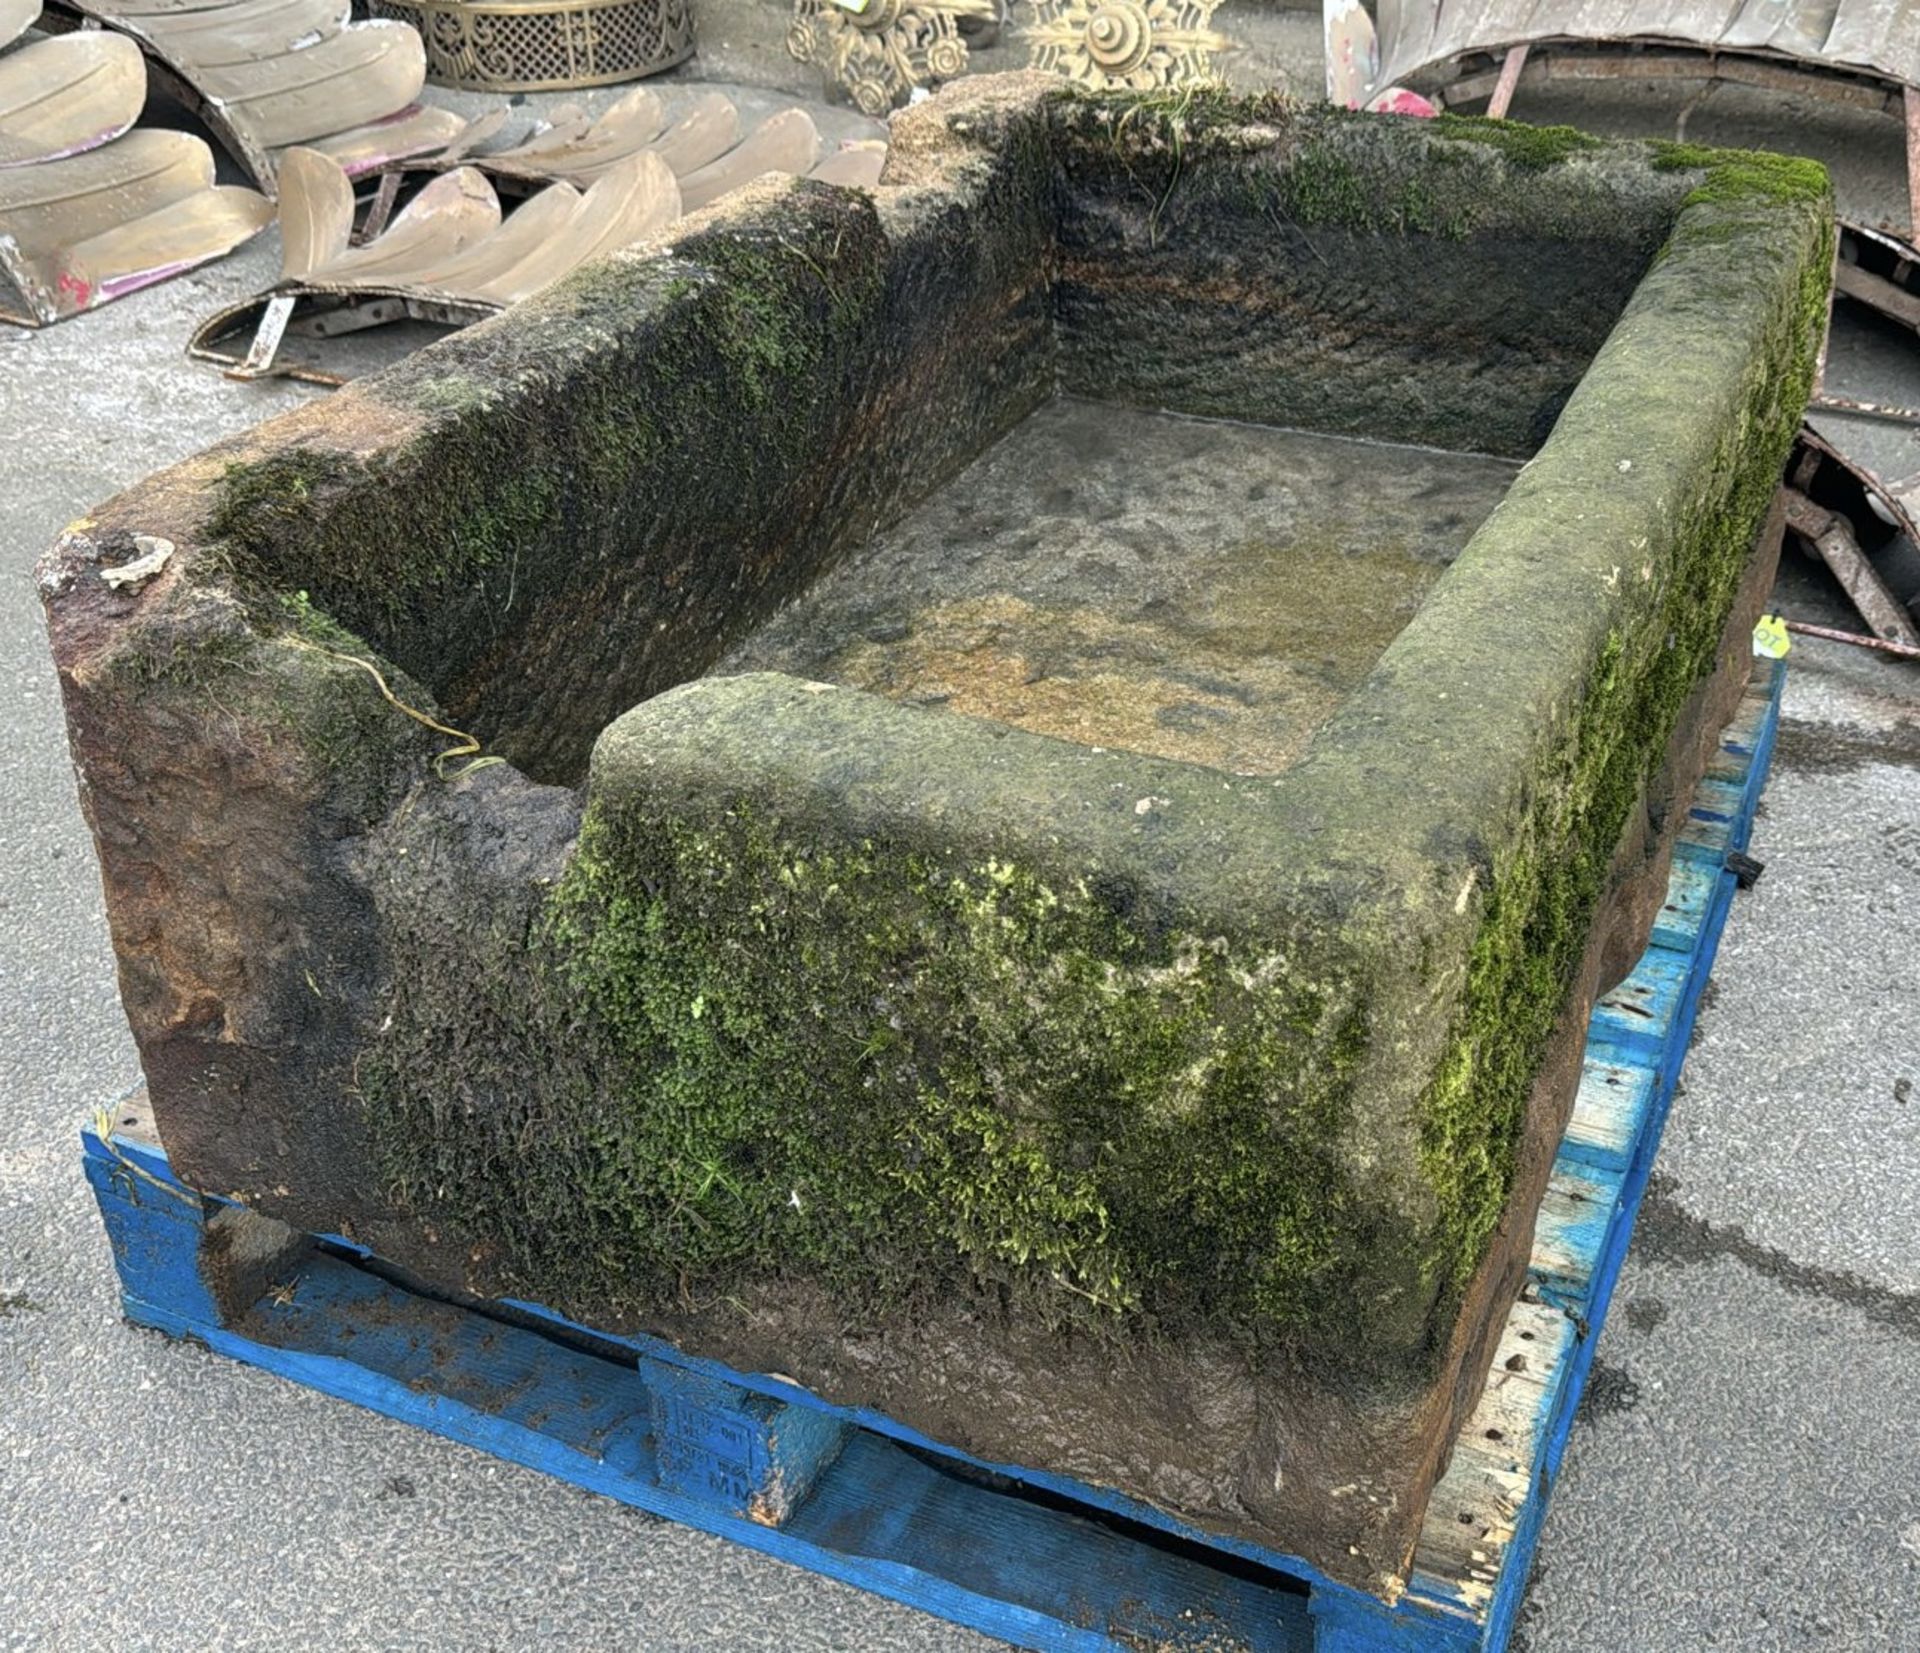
[1745,1474]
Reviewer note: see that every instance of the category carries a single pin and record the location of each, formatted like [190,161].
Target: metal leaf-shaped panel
[72,93]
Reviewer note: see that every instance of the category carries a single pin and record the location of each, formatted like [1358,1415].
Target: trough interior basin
[1190,589]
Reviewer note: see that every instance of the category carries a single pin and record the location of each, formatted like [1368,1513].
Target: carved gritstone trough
[1058,793]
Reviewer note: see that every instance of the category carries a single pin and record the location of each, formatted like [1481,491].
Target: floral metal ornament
[881,51]
[1132,45]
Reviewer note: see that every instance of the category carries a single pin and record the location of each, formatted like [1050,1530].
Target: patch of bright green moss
[1743,174]
[1545,887]
[899,1075]
[1530,148]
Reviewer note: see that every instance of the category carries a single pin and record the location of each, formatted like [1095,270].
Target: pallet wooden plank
[1705,841]
[1716,800]
[1470,1520]
[1474,1568]
[947,1538]
[1609,1112]
[1691,889]
[1638,1014]
[1581,1207]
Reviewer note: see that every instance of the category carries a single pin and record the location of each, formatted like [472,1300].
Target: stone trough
[1005,796]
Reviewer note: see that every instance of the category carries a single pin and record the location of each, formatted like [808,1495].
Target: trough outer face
[1212,1100]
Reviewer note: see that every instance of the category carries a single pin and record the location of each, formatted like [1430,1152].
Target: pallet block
[1035,1558]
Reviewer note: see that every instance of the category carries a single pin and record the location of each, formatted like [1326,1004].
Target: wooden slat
[1637,1013]
[1503,89]
[1912,114]
[1468,1571]
[1475,1508]
[1570,1234]
[1691,888]
[1609,1111]
[1716,800]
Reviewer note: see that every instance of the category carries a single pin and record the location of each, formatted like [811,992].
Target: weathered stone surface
[1081,1102]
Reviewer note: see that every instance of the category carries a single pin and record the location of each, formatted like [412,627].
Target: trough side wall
[425,545]
[1445,283]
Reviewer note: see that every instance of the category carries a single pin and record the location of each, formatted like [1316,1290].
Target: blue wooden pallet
[1035,1558]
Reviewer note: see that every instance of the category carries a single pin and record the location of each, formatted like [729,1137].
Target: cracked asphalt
[1745,1473]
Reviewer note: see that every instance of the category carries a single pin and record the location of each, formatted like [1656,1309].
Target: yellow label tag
[1771,639]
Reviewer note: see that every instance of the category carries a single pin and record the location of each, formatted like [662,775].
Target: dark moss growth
[261,502]
[196,660]
[338,511]
[1529,148]
[575,475]
[1239,273]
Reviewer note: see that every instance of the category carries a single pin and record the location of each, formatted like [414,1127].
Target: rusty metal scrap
[1833,634]
[1864,531]
[90,210]
[451,256]
[1881,272]
[266,75]
[1892,412]
[1830,534]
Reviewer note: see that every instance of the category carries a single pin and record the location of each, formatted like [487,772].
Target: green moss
[1343,169]
[1734,175]
[337,520]
[732,1046]
[1093,1133]
[198,661]
[545,458]
[1545,885]
[261,503]
[1529,148]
